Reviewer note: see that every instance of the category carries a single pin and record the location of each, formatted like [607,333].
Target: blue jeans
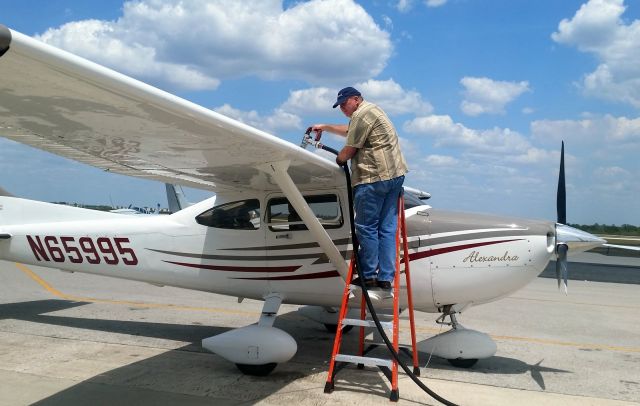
[376,207]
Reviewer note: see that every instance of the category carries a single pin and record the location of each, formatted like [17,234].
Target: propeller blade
[561,200]
[562,271]
[558,271]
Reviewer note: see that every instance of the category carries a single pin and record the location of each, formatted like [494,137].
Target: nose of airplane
[576,240]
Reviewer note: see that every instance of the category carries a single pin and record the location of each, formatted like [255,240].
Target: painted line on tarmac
[574,303]
[542,341]
[55,292]
[570,344]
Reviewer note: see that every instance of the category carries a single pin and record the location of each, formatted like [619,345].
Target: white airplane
[277,229]
[175,199]
[131,211]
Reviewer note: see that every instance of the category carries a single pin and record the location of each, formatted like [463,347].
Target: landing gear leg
[448,311]
[270,308]
[453,322]
[256,349]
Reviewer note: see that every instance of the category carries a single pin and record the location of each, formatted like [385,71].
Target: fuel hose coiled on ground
[370,306]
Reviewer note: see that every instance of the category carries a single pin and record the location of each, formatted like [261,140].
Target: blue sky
[481,92]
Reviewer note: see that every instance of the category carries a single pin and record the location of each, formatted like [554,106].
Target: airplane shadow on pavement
[189,375]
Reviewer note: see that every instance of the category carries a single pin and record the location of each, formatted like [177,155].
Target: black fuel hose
[370,306]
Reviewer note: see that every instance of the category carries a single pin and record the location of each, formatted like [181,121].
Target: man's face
[349,106]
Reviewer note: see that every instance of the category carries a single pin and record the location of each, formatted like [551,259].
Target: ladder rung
[374,294]
[387,325]
[367,361]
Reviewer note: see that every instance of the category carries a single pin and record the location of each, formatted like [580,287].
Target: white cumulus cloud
[99,41]
[611,172]
[279,120]
[487,96]
[194,44]
[594,130]
[448,133]
[388,94]
[441,160]
[435,3]
[406,5]
[393,98]
[599,29]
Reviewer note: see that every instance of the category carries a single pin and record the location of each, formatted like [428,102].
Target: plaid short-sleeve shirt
[379,156]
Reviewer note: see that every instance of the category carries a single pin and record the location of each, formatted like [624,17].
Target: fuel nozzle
[306,138]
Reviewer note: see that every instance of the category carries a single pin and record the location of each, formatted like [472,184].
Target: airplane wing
[3,192]
[61,103]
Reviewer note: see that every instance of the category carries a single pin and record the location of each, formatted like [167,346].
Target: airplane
[3,192]
[176,198]
[276,229]
[132,211]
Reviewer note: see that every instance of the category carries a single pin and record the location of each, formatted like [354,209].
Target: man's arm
[340,129]
[346,154]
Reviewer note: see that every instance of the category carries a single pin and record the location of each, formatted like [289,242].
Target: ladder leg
[407,276]
[363,315]
[330,384]
[396,308]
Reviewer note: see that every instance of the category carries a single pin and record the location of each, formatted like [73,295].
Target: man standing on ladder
[378,170]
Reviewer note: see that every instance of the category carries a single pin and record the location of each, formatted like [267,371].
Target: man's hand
[340,129]
[318,128]
[345,154]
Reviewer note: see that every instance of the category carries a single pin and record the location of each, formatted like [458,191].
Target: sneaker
[385,290]
[368,283]
[384,285]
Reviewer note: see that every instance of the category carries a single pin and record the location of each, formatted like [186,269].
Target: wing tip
[5,39]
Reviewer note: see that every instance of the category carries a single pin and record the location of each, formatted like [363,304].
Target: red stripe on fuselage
[228,268]
[319,275]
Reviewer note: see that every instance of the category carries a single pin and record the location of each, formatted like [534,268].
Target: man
[378,170]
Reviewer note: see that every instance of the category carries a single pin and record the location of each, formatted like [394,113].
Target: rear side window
[240,215]
[281,215]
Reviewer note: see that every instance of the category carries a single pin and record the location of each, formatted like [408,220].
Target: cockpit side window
[240,215]
[281,215]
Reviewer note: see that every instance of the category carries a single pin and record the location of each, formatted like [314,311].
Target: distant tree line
[625,229]
[104,207]
[100,207]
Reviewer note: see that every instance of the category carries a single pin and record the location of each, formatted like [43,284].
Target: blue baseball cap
[344,94]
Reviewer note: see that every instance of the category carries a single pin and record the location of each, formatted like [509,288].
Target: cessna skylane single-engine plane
[276,230]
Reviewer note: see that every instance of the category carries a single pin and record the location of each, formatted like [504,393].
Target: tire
[257,370]
[463,363]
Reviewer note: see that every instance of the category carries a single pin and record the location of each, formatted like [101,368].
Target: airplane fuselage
[250,246]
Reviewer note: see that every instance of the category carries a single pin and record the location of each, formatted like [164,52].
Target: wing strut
[278,171]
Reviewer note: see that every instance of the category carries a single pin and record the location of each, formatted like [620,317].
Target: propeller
[562,247]
[561,200]
[562,270]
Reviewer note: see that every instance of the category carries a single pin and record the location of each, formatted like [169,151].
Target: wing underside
[61,103]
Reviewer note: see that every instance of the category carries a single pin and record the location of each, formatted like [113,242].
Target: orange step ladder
[388,366]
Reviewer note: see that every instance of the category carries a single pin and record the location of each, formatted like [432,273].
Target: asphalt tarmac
[74,339]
